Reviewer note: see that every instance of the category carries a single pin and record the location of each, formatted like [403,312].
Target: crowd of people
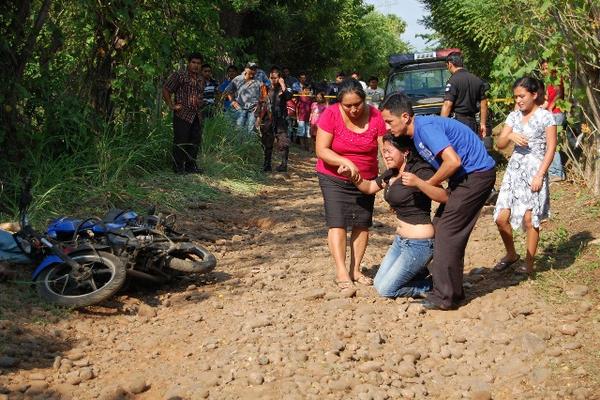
[428,158]
[426,258]
[278,106]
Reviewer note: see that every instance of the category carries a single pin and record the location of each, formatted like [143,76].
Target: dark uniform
[273,126]
[465,91]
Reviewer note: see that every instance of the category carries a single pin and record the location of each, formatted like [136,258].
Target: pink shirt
[360,148]
[316,109]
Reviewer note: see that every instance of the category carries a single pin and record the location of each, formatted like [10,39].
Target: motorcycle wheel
[192,258]
[99,277]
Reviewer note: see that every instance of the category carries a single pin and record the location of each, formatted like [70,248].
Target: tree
[504,40]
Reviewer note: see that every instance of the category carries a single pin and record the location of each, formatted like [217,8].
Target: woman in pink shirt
[349,134]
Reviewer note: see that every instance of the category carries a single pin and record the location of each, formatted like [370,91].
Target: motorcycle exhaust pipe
[142,275]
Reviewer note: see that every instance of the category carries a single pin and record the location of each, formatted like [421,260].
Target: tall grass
[127,165]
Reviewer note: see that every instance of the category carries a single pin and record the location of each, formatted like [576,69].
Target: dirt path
[268,324]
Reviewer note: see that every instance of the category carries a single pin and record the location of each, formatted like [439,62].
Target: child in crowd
[303,114]
[316,108]
[290,106]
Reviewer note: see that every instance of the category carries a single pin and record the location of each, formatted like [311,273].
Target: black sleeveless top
[410,204]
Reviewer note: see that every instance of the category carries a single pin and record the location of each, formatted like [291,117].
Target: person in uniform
[464,91]
[465,96]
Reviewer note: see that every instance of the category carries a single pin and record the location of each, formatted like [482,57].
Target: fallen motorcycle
[67,275]
[149,246]
[83,262]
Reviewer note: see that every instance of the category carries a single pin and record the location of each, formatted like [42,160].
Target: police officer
[463,92]
[465,96]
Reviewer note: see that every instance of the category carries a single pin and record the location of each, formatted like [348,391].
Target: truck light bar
[408,58]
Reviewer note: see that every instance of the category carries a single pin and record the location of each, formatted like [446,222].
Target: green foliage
[115,171]
[503,40]
[81,95]
[304,37]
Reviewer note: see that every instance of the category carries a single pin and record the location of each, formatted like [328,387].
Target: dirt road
[269,323]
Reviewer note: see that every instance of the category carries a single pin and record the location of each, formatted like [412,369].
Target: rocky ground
[270,324]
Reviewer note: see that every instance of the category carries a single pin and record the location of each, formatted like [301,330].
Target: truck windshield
[420,83]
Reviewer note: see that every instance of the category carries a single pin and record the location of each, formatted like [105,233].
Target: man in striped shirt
[187,85]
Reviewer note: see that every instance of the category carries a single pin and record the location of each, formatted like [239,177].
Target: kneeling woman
[403,271]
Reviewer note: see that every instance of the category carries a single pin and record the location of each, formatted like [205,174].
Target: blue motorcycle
[67,275]
[83,262]
[148,245]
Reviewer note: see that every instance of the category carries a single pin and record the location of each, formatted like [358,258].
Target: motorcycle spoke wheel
[99,276]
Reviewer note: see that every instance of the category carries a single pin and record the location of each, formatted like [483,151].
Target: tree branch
[32,39]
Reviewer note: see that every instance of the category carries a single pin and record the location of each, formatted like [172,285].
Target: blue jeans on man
[556,171]
[245,120]
[403,271]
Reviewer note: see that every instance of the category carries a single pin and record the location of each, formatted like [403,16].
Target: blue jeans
[556,168]
[403,271]
[303,129]
[245,120]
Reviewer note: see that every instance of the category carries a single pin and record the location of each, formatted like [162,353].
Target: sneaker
[556,178]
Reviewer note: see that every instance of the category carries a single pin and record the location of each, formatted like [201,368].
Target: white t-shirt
[374,96]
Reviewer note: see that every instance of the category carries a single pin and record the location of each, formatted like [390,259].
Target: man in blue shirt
[460,157]
[232,72]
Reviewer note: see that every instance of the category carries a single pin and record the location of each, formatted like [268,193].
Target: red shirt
[360,148]
[303,108]
[551,92]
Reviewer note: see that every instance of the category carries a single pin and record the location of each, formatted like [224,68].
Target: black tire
[103,274]
[192,258]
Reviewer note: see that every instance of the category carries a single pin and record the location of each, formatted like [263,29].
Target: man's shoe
[267,168]
[281,168]
[428,305]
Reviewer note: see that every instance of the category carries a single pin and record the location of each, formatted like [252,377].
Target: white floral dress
[515,192]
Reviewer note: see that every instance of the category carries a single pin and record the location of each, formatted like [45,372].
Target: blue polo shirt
[432,134]
[221,89]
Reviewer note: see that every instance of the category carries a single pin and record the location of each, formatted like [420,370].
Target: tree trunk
[18,55]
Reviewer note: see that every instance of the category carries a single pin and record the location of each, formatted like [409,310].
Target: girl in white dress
[524,199]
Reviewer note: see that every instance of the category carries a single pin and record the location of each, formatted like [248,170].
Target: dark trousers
[267,138]
[471,122]
[454,222]
[269,131]
[186,142]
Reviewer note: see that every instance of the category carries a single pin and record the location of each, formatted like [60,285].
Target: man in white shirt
[374,93]
[356,75]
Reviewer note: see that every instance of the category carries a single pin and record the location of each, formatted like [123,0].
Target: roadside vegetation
[81,89]
[503,40]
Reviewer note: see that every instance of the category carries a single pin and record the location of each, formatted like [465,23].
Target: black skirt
[345,205]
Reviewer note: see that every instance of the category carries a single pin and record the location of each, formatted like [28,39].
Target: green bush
[127,165]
